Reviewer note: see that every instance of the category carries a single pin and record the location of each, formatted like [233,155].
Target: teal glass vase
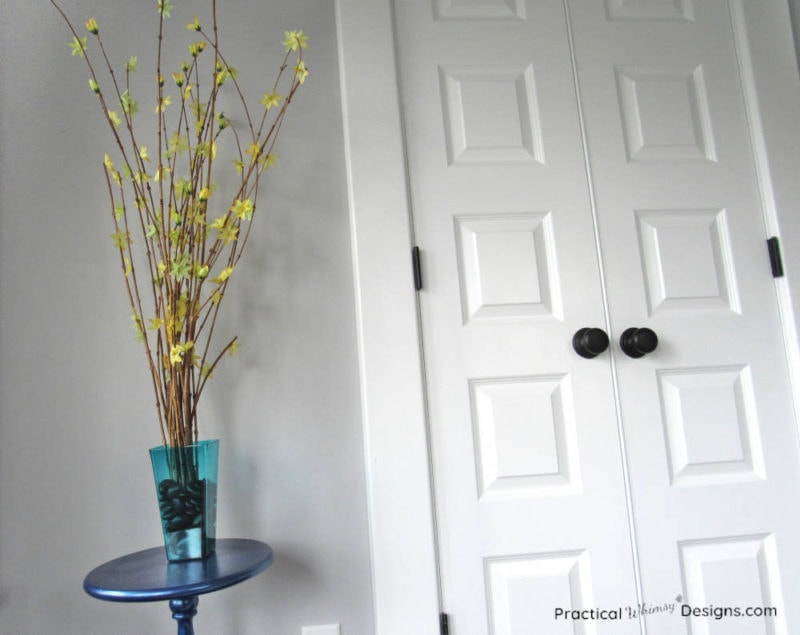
[186,486]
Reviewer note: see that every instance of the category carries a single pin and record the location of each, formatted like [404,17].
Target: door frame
[401,516]
[400,510]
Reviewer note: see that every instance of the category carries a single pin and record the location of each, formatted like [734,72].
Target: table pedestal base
[183,610]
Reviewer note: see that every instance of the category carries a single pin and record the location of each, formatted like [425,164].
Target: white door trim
[402,532]
[776,125]
[405,582]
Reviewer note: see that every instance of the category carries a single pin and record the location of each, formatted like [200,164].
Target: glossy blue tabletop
[147,576]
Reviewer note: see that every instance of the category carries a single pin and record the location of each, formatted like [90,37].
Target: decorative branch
[187,252]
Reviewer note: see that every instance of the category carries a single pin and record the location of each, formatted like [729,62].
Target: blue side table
[147,576]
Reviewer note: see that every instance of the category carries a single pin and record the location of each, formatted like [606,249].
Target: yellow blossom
[177,351]
[295,40]
[301,71]
[271,99]
[165,8]
[129,105]
[137,327]
[91,25]
[224,275]
[197,48]
[78,45]
[268,161]
[121,240]
[243,209]
[163,103]
[161,172]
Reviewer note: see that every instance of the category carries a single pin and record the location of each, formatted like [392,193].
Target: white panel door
[591,164]
[672,129]
[530,498]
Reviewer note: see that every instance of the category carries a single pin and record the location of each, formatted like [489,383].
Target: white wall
[76,414]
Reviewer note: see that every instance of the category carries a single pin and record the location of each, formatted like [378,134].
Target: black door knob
[589,342]
[638,342]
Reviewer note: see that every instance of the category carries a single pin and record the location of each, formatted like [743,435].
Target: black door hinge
[444,624]
[775,258]
[417,264]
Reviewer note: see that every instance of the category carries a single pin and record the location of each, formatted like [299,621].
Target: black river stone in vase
[181,506]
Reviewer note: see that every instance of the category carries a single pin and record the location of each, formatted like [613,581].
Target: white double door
[597,163]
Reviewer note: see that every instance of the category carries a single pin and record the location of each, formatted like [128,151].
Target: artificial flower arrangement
[179,238]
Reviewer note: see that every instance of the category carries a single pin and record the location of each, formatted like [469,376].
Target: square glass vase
[186,487]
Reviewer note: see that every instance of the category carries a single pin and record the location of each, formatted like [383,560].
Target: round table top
[146,575]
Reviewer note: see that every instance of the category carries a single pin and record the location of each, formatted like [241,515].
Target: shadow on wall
[293,574]
[794,11]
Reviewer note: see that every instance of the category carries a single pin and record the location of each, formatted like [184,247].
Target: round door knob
[638,342]
[589,342]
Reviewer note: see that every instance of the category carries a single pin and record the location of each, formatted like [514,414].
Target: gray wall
[76,412]
[794,10]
